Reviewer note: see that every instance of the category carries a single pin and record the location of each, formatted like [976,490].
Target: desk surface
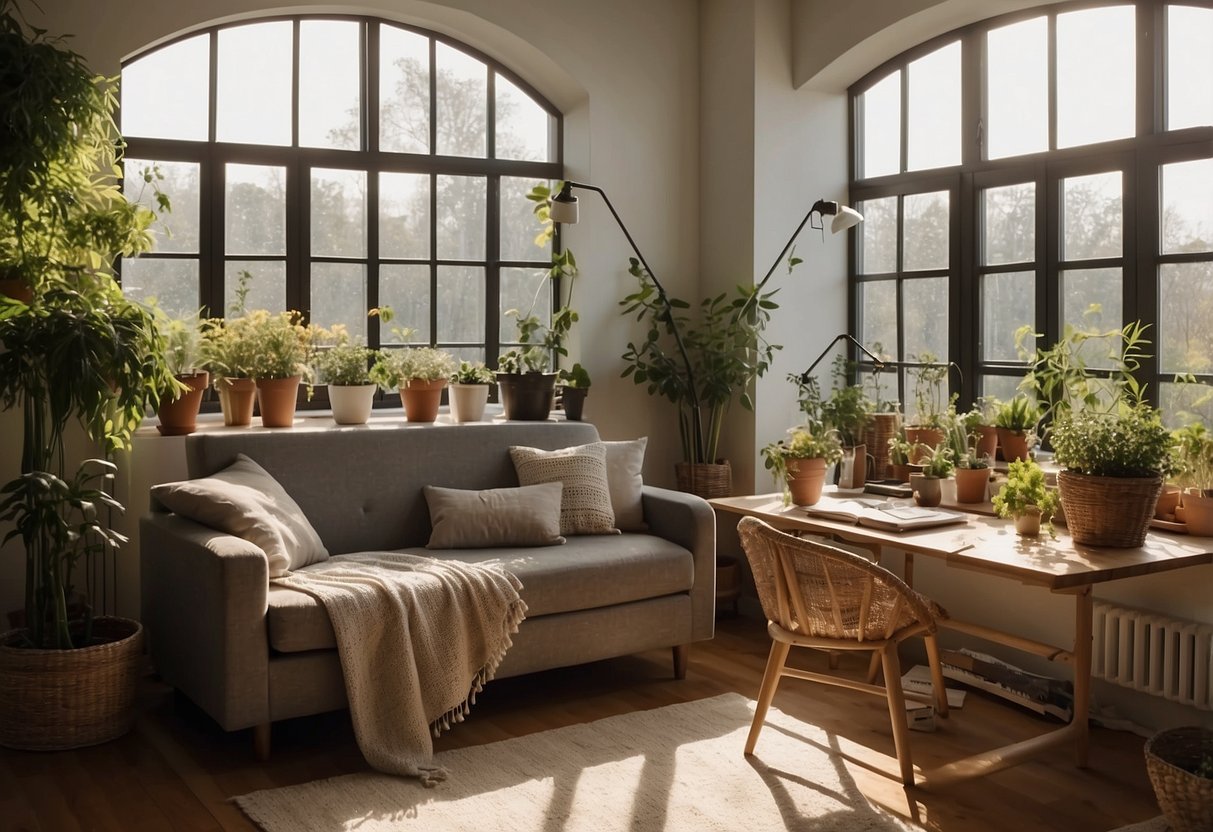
[989,544]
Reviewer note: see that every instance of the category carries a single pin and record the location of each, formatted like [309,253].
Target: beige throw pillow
[625,479]
[245,501]
[585,505]
[527,516]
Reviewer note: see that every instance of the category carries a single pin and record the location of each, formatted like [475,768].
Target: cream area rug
[678,768]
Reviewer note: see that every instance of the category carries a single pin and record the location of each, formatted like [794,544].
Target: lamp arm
[816,209]
[804,377]
[665,300]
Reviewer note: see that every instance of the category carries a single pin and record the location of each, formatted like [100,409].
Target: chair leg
[897,712]
[770,681]
[680,661]
[873,667]
[941,693]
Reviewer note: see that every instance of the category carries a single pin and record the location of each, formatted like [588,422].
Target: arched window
[1047,168]
[335,164]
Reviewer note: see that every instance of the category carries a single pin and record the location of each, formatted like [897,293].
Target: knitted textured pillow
[585,505]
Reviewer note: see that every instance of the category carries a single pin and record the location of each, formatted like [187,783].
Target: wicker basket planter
[876,436]
[705,479]
[1108,511]
[1184,797]
[57,699]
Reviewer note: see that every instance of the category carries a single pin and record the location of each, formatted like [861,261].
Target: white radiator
[1158,654]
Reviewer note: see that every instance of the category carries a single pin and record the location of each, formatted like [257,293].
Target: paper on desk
[918,679]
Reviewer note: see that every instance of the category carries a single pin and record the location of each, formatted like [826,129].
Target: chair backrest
[812,589]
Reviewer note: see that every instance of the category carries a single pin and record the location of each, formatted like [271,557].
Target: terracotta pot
[180,416]
[468,401]
[351,403]
[928,491]
[901,473]
[1014,444]
[527,397]
[853,469]
[705,479]
[572,399]
[1198,513]
[276,398]
[930,438]
[17,289]
[1027,522]
[236,398]
[971,484]
[987,442]
[421,399]
[1167,502]
[806,478]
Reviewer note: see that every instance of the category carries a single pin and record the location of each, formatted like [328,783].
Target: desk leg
[1083,612]
[909,569]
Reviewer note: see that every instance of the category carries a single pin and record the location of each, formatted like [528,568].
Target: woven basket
[1185,798]
[57,699]
[705,479]
[876,436]
[1108,511]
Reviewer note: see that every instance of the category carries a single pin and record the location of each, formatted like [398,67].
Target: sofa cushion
[494,517]
[245,501]
[625,481]
[585,573]
[585,506]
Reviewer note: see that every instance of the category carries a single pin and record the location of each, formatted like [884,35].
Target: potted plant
[178,412]
[1014,422]
[470,391]
[345,368]
[574,387]
[281,349]
[1113,467]
[1180,764]
[1194,462]
[1026,498]
[900,451]
[227,352]
[420,374]
[76,351]
[981,422]
[798,463]
[927,429]
[928,483]
[848,412]
[972,469]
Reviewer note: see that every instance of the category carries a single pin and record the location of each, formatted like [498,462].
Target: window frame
[213,156]
[1139,156]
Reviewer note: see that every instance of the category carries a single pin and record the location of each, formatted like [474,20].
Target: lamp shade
[845,218]
[564,207]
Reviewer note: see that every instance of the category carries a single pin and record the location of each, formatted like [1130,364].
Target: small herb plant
[400,367]
[930,404]
[848,409]
[1019,414]
[1025,486]
[577,376]
[962,440]
[182,341]
[1130,442]
[344,364]
[281,344]
[472,373]
[900,448]
[1194,457]
[939,463]
[800,443]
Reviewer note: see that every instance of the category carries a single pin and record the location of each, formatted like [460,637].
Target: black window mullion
[963,297]
[492,272]
[1052,80]
[295,83]
[298,233]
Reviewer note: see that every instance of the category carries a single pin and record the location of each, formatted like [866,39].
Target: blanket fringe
[514,617]
[431,776]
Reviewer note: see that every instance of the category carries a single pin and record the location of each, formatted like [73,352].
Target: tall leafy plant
[78,351]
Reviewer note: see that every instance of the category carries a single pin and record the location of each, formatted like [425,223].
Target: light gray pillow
[245,501]
[527,516]
[625,480]
[585,504]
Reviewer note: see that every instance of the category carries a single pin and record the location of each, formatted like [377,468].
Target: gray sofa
[249,654]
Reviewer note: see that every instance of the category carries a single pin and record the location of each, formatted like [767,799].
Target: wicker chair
[817,596]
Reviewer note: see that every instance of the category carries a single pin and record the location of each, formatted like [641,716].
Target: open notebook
[887,515]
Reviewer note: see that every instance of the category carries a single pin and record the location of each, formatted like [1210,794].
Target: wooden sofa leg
[261,740]
[680,661]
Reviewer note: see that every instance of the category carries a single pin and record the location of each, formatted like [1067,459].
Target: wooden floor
[176,770]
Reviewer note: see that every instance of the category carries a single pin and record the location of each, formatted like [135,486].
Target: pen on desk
[962,548]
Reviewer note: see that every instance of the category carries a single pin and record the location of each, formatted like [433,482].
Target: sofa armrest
[204,597]
[690,522]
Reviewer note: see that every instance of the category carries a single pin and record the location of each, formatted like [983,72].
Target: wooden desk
[990,545]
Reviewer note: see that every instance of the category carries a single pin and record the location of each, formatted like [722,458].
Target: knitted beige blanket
[418,638]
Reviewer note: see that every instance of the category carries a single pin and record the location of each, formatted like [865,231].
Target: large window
[1048,168]
[332,165]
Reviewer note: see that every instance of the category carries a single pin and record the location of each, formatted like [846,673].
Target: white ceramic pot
[468,401]
[351,404]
